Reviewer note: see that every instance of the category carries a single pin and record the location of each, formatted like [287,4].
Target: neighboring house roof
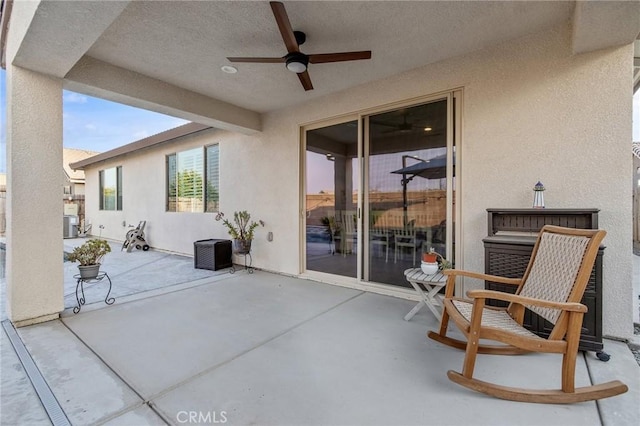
[157,139]
[70,155]
[636,149]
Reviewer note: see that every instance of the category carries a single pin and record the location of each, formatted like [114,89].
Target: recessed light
[428,129]
[229,69]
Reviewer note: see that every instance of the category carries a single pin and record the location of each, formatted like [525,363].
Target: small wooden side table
[427,287]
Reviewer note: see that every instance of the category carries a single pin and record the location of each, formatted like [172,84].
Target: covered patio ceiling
[166,56]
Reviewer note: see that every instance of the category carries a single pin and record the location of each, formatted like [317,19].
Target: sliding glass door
[406,180]
[331,199]
[407,197]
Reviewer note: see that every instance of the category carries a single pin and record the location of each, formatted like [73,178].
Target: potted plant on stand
[89,255]
[241,230]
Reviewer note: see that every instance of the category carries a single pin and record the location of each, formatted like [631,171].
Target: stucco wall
[144,198]
[34,154]
[531,111]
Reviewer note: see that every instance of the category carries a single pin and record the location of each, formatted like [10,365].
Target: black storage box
[212,254]
[508,254]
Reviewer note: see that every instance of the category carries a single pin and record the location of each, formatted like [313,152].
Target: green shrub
[90,253]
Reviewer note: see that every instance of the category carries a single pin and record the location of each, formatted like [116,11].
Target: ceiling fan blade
[380,123]
[284,26]
[305,79]
[258,60]
[339,57]
[396,130]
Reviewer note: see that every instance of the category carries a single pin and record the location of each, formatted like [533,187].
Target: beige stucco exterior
[33,258]
[635,190]
[532,110]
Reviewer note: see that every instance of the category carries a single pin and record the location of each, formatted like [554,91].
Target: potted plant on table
[433,262]
[89,255]
[241,230]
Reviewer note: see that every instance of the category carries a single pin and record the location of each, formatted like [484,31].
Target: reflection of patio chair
[440,232]
[436,238]
[552,286]
[349,231]
[379,235]
[405,237]
[332,227]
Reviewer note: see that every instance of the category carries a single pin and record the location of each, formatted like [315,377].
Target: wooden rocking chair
[552,287]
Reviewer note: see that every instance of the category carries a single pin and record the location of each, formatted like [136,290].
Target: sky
[98,125]
[94,124]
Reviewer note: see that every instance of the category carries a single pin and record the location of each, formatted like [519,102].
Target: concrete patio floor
[268,349]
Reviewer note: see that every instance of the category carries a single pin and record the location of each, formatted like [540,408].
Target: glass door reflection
[407,176]
[331,199]
[406,203]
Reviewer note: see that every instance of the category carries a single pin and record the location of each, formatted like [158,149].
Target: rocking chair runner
[552,287]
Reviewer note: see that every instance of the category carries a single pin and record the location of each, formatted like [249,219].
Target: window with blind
[110,188]
[213,178]
[193,180]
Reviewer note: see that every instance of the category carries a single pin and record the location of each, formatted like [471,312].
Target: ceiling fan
[405,126]
[295,60]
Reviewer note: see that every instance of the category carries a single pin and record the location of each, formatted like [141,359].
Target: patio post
[34,270]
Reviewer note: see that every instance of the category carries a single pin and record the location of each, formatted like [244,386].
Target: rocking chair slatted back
[553,271]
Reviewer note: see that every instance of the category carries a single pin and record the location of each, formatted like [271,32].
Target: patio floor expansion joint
[49,402]
[597,401]
[144,401]
[141,265]
[119,376]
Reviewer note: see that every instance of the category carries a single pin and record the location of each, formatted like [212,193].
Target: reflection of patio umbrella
[434,168]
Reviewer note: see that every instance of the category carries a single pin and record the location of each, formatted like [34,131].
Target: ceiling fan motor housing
[300,37]
[295,60]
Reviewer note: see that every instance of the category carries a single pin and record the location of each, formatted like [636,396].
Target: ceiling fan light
[296,66]
[297,62]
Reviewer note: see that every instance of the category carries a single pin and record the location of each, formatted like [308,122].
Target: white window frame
[203,205]
[117,192]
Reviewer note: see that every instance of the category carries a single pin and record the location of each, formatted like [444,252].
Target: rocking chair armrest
[486,277]
[521,300]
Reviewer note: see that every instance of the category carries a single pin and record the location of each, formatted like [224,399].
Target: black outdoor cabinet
[212,254]
[511,236]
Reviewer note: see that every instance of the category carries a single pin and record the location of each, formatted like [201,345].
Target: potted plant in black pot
[89,255]
[241,230]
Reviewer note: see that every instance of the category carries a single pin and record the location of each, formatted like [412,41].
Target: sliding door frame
[454,139]
[322,276]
